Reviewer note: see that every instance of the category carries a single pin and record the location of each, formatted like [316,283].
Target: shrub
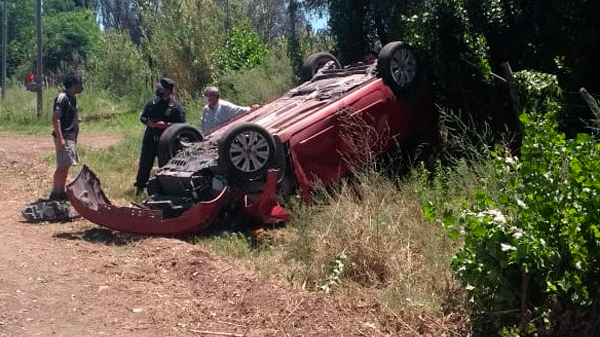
[261,83]
[243,49]
[532,247]
[118,66]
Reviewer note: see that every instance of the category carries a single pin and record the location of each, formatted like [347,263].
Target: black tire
[174,139]
[397,64]
[247,151]
[314,62]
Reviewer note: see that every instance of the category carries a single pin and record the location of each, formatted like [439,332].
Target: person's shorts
[68,156]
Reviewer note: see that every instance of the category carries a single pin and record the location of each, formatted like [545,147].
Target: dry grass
[366,243]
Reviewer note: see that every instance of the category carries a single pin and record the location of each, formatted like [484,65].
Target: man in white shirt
[217,111]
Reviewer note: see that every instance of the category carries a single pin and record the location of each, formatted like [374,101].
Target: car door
[345,135]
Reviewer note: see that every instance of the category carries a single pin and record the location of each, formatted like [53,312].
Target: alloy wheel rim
[249,151]
[403,67]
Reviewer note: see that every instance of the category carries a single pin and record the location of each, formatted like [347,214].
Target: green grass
[98,111]
[18,112]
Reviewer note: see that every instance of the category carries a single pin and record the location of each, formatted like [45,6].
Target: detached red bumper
[88,199]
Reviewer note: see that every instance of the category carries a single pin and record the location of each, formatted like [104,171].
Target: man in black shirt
[65,123]
[159,113]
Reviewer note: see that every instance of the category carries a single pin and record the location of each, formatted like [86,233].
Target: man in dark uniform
[65,123]
[159,113]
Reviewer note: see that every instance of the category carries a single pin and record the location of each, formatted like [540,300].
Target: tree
[347,21]
[61,47]
[361,25]
[20,16]
[52,7]
[67,39]
[269,18]
[123,14]
[559,37]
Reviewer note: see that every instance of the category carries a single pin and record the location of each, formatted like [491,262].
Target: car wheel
[247,151]
[174,139]
[397,65]
[314,62]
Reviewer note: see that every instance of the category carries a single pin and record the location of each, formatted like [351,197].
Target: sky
[318,23]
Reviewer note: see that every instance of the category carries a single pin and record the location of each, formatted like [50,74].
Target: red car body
[321,130]
[315,130]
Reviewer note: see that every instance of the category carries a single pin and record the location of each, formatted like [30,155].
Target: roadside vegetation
[478,242]
[529,230]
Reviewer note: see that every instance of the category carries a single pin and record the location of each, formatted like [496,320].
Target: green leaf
[595,231]
[583,138]
[479,230]
[453,234]
[448,222]
[428,211]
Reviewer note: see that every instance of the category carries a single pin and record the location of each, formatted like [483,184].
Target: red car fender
[266,208]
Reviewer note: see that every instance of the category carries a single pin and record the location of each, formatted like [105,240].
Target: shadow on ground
[101,235]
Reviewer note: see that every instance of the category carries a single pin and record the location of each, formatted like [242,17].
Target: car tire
[247,151]
[314,62]
[397,64]
[174,139]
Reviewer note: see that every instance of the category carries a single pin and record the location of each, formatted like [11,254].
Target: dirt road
[77,279]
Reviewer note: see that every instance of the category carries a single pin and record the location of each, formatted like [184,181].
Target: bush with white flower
[531,253]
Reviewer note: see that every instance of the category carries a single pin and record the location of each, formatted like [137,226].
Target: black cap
[165,83]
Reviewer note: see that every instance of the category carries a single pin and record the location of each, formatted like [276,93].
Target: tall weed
[379,228]
[18,112]
[366,241]
[181,39]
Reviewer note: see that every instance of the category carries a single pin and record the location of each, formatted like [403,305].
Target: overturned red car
[314,134]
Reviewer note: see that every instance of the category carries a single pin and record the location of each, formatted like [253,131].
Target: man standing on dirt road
[65,123]
[159,113]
